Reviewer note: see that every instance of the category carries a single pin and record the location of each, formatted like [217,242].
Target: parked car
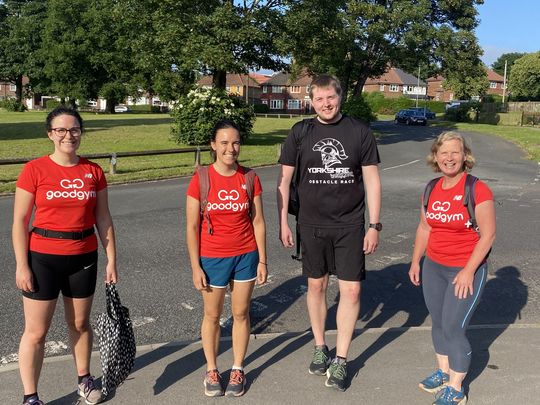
[424,111]
[410,117]
[121,108]
[455,104]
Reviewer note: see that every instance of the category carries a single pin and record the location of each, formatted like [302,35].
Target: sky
[508,26]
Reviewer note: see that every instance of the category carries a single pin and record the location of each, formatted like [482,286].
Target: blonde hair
[323,81]
[468,162]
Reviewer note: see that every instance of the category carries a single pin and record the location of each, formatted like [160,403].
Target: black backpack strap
[469,200]
[427,192]
[204,189]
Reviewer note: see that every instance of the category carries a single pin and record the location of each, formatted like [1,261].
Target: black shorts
[74,275]
[338,251]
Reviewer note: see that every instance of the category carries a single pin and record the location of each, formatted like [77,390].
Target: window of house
[393,87]
[295,89]
[381,87]
[277,89]
[492,85]
[265,101]
[293,104]
[307,89]
[12,87]
[265,89]
[276,104]
[228,88]
[410,89]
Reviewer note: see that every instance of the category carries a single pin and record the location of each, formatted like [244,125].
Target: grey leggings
[450,315]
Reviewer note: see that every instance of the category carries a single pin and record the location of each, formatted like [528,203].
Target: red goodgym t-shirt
[65,200]
[228,207]
[452,238]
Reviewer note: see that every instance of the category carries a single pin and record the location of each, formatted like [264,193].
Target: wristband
[266,264]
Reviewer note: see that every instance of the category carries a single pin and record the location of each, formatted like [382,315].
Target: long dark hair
[221,124]
[62,110]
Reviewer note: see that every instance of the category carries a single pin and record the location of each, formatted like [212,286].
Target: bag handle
[114,305]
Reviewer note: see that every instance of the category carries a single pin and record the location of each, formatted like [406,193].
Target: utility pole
[504,81]
[418,86]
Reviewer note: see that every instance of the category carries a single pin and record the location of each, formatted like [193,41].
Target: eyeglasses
[62,132]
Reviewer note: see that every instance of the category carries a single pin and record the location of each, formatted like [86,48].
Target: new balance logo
[458,197]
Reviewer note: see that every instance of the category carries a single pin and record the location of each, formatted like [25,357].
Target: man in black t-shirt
[337,165]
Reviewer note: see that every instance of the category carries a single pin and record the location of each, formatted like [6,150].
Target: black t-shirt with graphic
[331,188]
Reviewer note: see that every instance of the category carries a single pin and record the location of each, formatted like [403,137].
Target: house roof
[285,79]
[491,75]
[236,79]
[396,76]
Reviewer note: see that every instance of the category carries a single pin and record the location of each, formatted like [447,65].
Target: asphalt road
[155,278]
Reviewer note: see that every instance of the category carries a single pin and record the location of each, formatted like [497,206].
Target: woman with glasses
[68,196]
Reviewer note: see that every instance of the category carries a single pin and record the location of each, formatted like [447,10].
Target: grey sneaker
[336,375]
[212,384]
[321,360]
[237,383]
[87,389]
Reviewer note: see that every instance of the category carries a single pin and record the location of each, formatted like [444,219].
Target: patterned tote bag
[116,341]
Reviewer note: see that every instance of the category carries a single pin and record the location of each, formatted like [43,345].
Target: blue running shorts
[221,270]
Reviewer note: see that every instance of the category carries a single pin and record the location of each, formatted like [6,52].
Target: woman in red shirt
[454,270]
[232,253]
[68,195]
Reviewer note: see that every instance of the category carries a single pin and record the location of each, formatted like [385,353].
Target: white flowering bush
[195,115]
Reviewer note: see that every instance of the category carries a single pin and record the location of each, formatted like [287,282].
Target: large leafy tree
[20,39]
[509,58]
[219,36]
[357,39]
[524,80]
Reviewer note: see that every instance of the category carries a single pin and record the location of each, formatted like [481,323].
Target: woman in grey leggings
[456,245]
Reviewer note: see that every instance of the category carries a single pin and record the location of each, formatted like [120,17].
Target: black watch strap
[377,226]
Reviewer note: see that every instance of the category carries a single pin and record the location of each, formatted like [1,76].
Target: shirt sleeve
[289,150]
[482,192]
[27,180]
[101,179]
[370,152]
[193,189]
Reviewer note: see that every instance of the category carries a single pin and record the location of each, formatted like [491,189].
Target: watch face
[377,226]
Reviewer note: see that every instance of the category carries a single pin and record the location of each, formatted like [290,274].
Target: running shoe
[435,382]
[212,384]
[336,375]
[87,389]
[450,396]
[321,360]
[237,384]
[34,401]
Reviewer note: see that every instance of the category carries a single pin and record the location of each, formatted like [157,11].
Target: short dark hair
[62,110]
[221,124]
[325,81]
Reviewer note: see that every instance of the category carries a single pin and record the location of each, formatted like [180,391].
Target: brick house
[438,93]
[238,83]
[395,83]
[283,94]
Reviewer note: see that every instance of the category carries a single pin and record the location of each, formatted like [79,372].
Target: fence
[113,157]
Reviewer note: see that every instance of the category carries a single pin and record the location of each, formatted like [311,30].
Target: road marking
[404,164]
[141,320]
[187,306]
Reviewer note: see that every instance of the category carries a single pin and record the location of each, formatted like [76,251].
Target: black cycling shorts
[338,251]
[74,275]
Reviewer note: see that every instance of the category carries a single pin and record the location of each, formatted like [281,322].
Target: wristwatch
[377,226]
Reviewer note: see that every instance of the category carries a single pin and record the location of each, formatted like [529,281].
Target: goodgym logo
[71,190]
[227,203]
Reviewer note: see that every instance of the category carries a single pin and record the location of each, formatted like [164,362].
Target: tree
[357,39]
[509,58]
[20,38]
[220,36]
[524,82]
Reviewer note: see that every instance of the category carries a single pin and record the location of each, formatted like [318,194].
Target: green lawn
[23,135]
